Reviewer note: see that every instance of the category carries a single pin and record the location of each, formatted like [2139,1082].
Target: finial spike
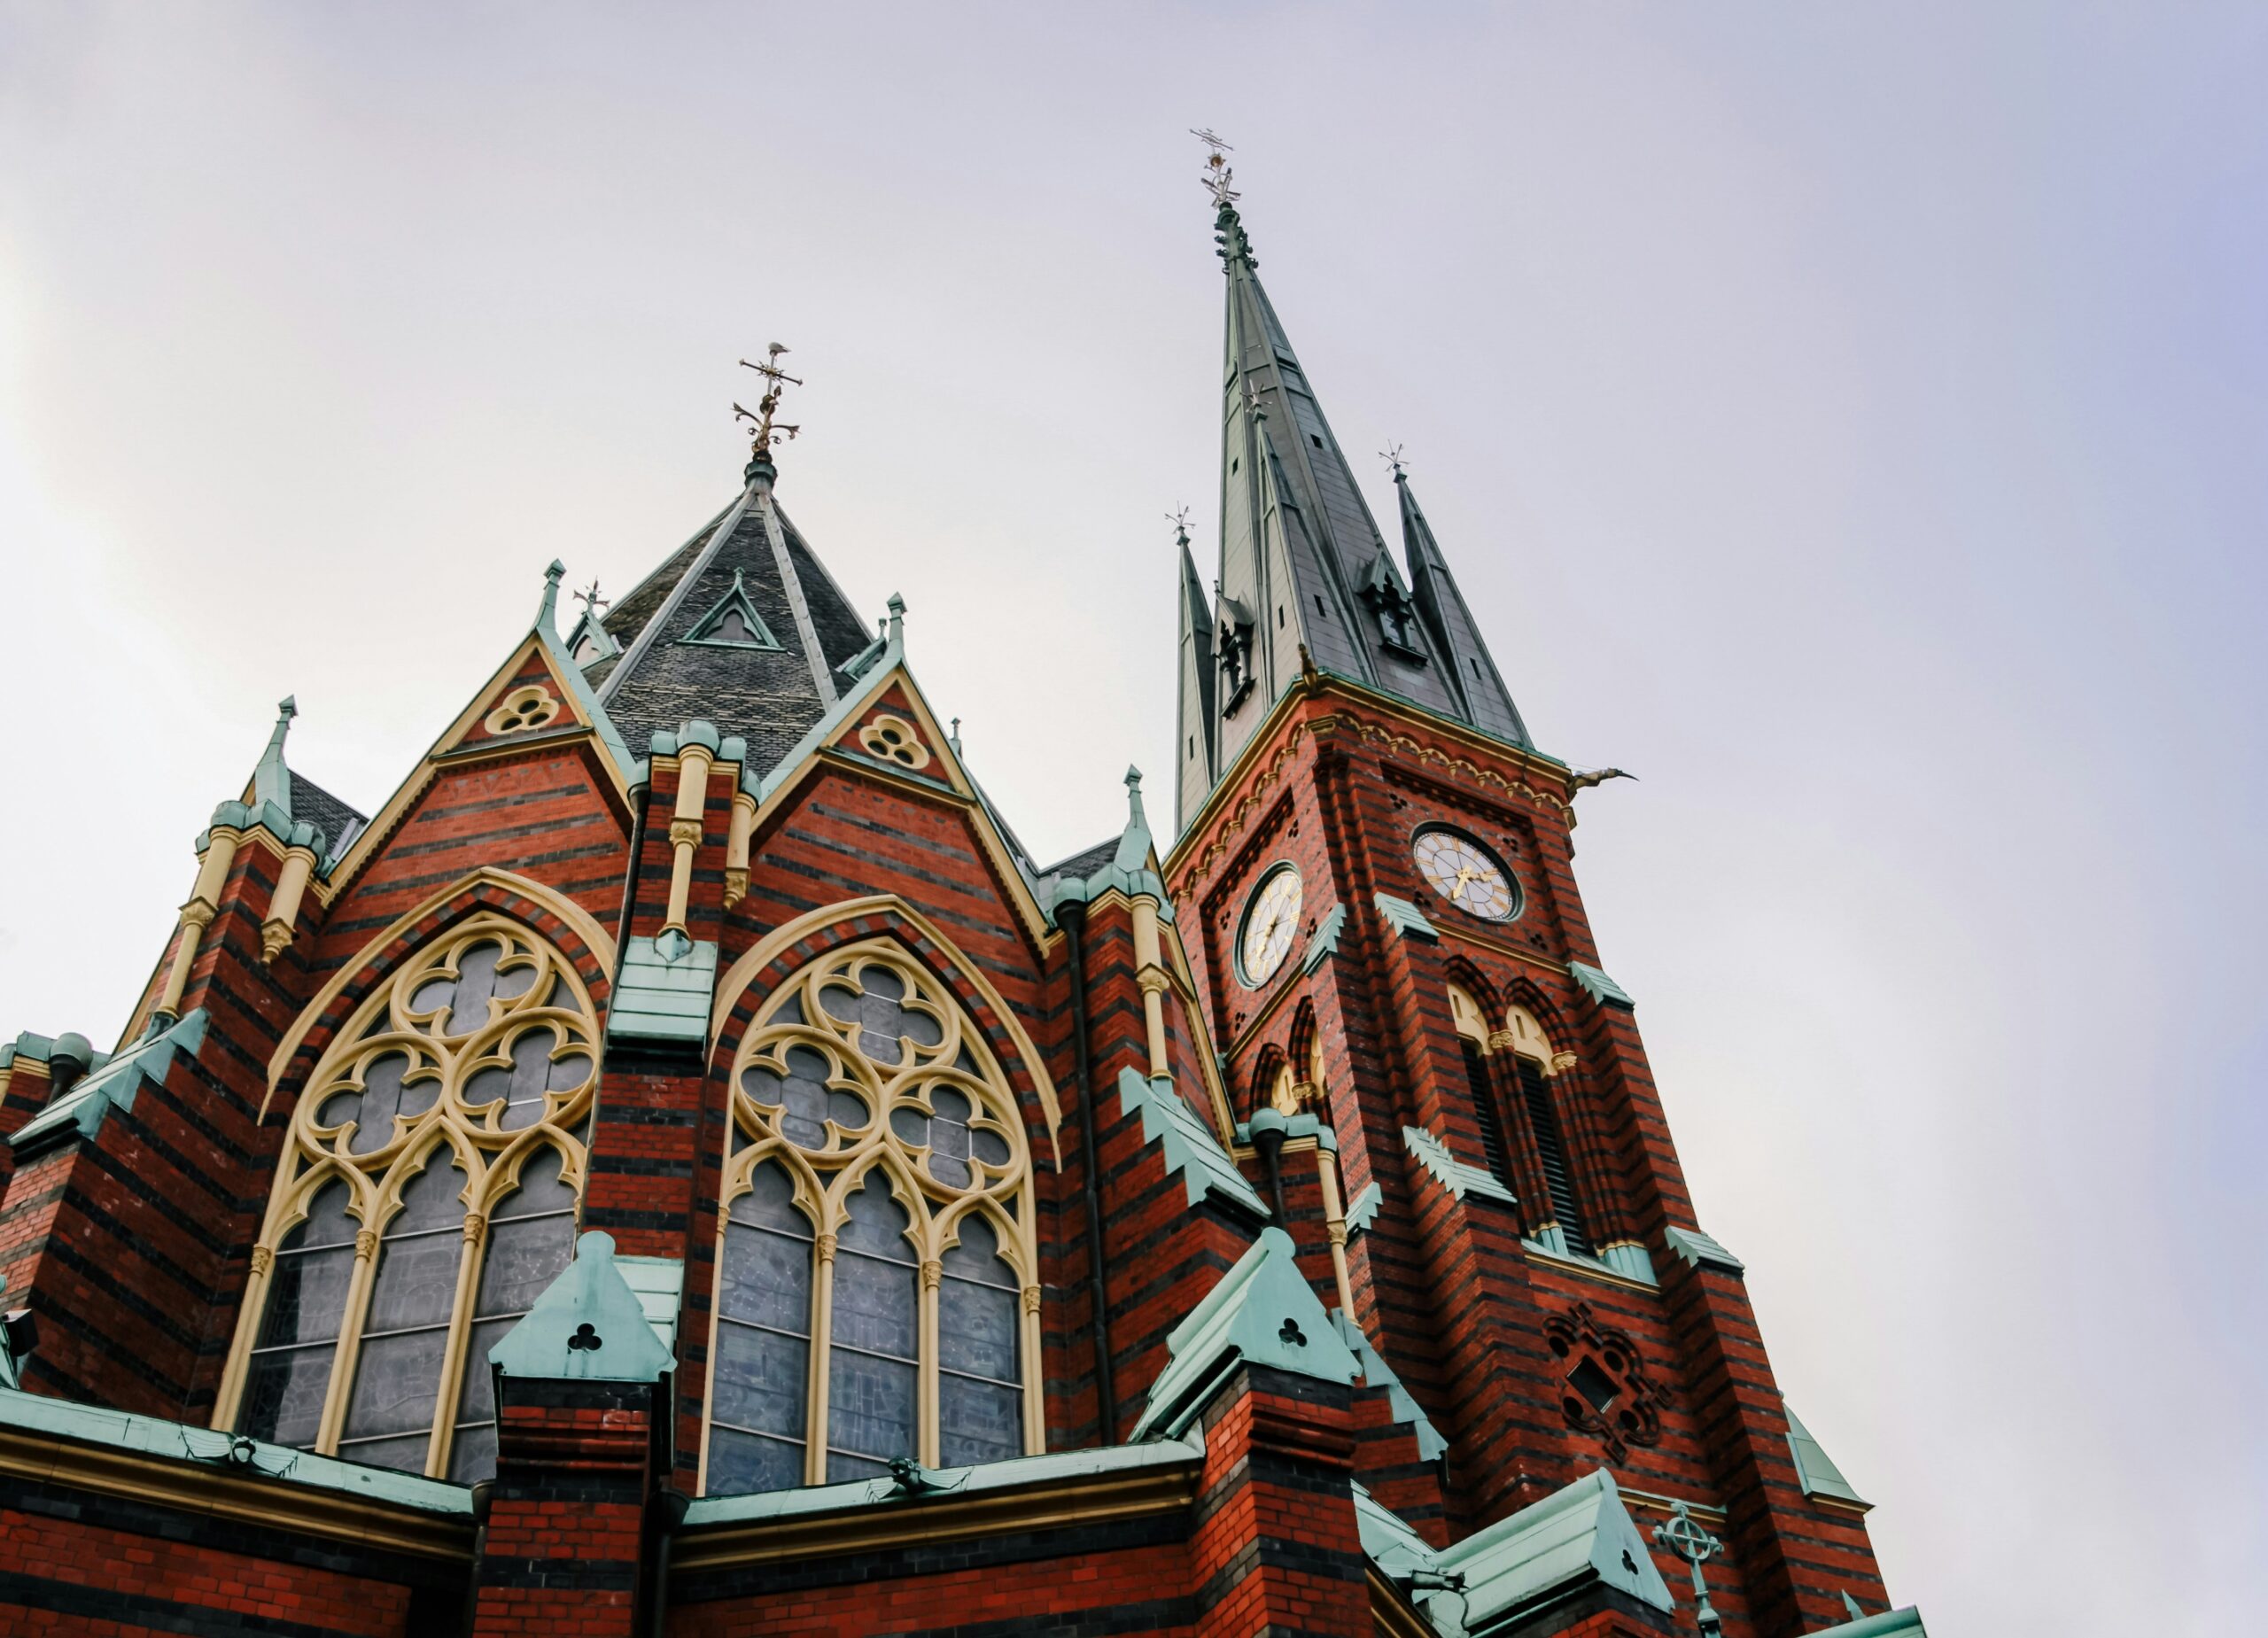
[1179,519]
[547,612]
[896,618]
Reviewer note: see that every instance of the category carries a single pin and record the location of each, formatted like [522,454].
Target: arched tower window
[1535,1063]
[878,1296]
[1472,1035]
[426,1195]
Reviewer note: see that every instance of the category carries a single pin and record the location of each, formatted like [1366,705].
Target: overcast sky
[1849,417]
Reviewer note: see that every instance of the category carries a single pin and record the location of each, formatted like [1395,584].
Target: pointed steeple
[1303,563]
[1194,768]
[1487,704]
[1303,566]
[271,781]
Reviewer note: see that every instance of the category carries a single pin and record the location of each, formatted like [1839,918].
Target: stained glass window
[480,1046]
[870,1115]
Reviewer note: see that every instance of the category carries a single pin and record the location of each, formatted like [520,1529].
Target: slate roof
[339,823]
[769,696]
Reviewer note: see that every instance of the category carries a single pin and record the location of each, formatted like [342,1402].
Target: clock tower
[1373,880]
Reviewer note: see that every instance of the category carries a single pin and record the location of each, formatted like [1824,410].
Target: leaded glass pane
[406,1332]
[804,1098]
[532,1074]
[882,1019]
[743,1464]
[871,1370]
[468,995]
[978,1421]
[531,1237]
[299,1335]
[387,1091]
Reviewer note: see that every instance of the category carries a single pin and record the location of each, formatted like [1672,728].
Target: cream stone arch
[479,1051]
[585,926]
[862,1062]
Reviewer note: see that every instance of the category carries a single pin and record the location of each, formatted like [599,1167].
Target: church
[678,1164]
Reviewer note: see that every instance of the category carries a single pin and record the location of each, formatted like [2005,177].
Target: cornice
[935,1521]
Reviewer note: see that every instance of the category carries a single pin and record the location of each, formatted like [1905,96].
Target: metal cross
[591,601]
[1392,455]
[1217,173]
[1689,1541]
[760,419]
[1180,522]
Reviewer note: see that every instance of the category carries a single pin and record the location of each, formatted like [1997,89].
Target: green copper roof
[1389,1541]
[1132,868]
[1890,1624]
[950,1483]
[1577,1535]
[191,1447]
[79,1111]
[1363,1208]
[1599,986]
[1378,1374]
[659,1282]
[1701,1252]
[1262,1313]
[271,781]
[570,674]
[1455,1176]
[1190,1146]
[660,996]
[1324,942]
[1815,1471]
[588,1326]
[1405,917]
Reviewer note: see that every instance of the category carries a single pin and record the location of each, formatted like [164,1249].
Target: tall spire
[1302,564]
[1194,758]
[1487,704]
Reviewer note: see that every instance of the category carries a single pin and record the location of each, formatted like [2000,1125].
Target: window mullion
[452,1360]
[927,1434]
[341,1386]
[822,1339]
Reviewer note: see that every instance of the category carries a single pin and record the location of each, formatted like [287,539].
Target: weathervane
[1690,1542]
[1392,455]
[591,601]
[1179,519]
[764,428]
[1217,173]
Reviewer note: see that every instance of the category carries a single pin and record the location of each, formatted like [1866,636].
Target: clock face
[1467,875]
[1269,920]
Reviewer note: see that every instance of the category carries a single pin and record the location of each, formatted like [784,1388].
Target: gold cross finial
[763,427]
[1217,173]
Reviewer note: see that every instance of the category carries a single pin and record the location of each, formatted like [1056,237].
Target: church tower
[1374,881]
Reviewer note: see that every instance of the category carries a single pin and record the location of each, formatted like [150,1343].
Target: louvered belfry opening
[1485,1115]
[1543,1120]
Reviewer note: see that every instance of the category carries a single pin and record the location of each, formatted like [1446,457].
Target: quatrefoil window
[1604,1390]
[893,739]
[526,708]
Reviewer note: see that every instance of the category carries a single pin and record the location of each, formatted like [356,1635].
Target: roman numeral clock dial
[1270,921]
[1466,873]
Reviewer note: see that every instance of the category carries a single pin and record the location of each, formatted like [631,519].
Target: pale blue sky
[1847,417]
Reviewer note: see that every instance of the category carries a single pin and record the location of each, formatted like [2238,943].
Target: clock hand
[1464,875]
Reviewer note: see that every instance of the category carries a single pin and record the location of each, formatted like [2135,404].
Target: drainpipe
[483,1494]
[1074,918]
[671,1503]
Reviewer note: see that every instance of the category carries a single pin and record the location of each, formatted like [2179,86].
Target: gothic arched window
[425,1197]
[878,1293]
